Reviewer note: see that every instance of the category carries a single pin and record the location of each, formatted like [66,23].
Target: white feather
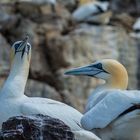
[109,108]
[136,25]
[87,10]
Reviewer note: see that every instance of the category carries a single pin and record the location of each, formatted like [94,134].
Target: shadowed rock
[131,7]
[35,127]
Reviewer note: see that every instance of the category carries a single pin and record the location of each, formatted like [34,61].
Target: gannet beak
[90,70]
[24,45]
[25,40]
[21,45]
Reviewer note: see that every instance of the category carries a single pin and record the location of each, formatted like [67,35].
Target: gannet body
[13,102]
[136,25]
[87,10]
[112,112]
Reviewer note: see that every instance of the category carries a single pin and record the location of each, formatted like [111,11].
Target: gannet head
[109,70]
[21,50]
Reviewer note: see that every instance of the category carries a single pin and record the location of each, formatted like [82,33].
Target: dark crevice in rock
[54,53]
[47,76]
[9,33]
[31,11]
[52,56]
[44,78]
[44,18]
[71,26]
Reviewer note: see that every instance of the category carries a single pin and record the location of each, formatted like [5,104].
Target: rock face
[59,43]
[126,6]
[35,127]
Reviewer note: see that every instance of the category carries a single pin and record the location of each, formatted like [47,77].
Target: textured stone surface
[35,127]
[60,43]
[4,56]
[126,6]
[123,20]
[69,4]
[35,88]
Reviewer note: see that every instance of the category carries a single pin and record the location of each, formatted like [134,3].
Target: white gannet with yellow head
[13,102]
[112,112]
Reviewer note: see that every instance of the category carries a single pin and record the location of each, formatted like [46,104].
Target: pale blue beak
[89,70]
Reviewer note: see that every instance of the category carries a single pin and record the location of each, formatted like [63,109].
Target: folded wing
[109,108]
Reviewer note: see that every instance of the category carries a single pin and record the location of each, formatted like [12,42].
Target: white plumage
[112,112]
[87,10]
[136,25]
[109,108]
[136,29]
[13,102]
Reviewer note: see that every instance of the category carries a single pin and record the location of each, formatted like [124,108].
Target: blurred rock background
[70,33]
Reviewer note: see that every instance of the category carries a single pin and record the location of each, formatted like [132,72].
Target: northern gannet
[86,11]
[112,112]
[13,102]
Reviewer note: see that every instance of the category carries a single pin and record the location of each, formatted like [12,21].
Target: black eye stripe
[98,66]
[28,47]
[16,46]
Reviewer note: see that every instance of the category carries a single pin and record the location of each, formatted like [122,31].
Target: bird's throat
[117,82]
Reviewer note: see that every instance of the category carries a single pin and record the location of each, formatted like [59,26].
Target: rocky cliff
[61,41]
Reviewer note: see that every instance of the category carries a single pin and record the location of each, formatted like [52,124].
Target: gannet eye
[16,46]
[98,66]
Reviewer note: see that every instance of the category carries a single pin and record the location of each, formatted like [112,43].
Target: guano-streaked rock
[35,127]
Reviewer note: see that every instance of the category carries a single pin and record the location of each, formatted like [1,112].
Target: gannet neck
[117,82]
[16,81]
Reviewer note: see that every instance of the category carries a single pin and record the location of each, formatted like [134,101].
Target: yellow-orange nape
[118,73]
[82,2]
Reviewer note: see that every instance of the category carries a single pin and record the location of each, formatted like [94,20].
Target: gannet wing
[109,108]
[94,99]
[54,109]
[61,111]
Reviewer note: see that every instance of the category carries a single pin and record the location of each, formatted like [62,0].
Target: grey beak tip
[26,38]
[69,72]
[66,73]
